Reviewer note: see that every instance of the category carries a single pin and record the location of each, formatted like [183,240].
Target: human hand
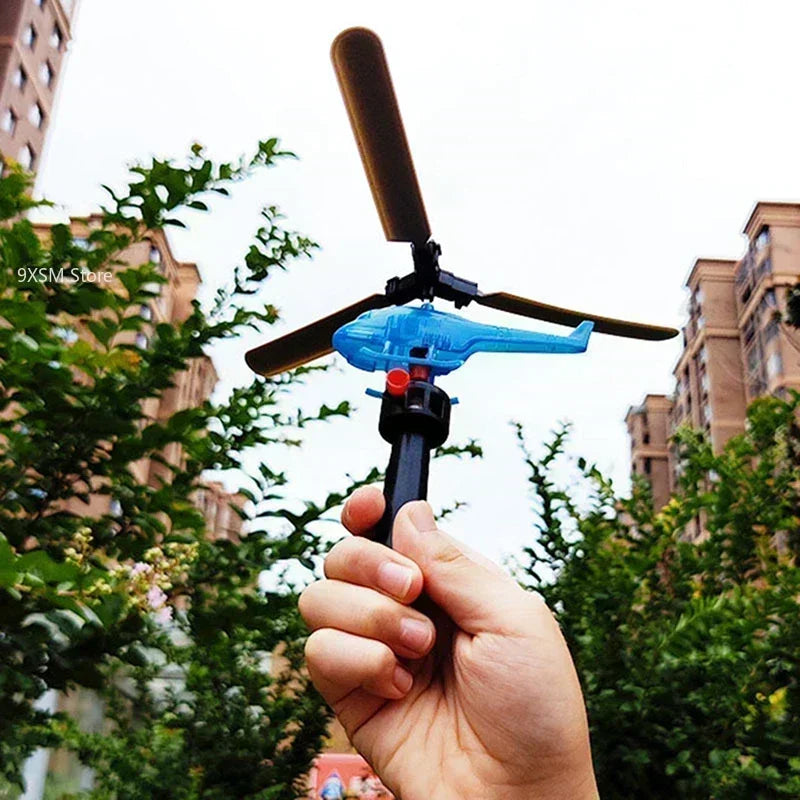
[480,701]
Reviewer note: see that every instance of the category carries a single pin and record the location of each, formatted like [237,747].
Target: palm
[468,715]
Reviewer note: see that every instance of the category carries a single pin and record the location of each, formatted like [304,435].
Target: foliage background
[689,652]
[82,594]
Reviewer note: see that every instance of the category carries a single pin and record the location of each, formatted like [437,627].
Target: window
[774,365]
[36,115]
[29,37]
[82,242]
[9,122]
[742,270]
[46,73]
[155,254]
[39,3]
[142,341]
[145,312]
[696,303]
[648,466]
[26,157]
[20,78]
[115,507]
[749,331]
[754,359]
[771,331]
[762,240]
[56,38]
[646,439]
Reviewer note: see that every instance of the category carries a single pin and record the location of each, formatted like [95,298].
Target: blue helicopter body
[384,339]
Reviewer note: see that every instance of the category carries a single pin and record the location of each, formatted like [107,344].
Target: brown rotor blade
[305,344]
[366,85]
[565,316]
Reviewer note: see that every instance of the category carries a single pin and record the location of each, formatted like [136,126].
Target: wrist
[569,786]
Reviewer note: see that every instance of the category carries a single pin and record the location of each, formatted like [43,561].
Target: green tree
[84,597]
[689,652]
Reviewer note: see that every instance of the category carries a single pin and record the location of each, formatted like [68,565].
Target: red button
[397,382]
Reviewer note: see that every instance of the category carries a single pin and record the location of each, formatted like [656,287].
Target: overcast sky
[580,153]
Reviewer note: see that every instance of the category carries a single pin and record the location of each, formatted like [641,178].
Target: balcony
[745,269]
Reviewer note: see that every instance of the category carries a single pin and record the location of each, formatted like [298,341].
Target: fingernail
[403,680]
[421,517]
[415,634]
[394,578]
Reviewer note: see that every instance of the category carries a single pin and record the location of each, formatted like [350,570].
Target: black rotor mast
[429,280]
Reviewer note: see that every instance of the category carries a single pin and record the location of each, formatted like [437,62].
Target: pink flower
[163,615]
[140,568]
[156,597]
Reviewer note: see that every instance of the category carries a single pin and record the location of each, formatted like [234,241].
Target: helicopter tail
[582,333]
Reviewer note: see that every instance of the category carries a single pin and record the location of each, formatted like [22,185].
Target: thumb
[471,590]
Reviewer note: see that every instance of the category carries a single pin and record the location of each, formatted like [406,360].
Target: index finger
[363,510]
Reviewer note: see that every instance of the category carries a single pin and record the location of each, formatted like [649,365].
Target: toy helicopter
[414,345]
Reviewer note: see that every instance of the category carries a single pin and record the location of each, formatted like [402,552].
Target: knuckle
[378,618]
[448,553]
[383,661]
[314,647]
[341,558]
[308,601]
[302,604]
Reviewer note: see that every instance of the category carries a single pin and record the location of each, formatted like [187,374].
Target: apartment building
[34,35]
[192,387]
[735,346]
[649,431]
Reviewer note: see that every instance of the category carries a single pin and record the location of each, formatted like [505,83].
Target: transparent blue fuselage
[384,339]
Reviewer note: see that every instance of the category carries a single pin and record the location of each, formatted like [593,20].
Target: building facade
[61,770]
[191,388]
[735,346]
[34,35]
[649,432]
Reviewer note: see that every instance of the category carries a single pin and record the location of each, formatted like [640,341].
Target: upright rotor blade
[306,344]
[366,85]
[565,316]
